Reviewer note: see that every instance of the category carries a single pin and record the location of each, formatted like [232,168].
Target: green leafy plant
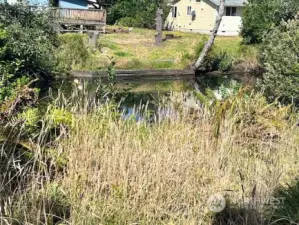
[279,56]
[136,13]
[218,60]
[74,51]
[28,40]
[261,16]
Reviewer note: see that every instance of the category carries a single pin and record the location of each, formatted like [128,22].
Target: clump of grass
[119,171]
[162,64]
[135,64]
[122,54]
[287,206]
[103,43]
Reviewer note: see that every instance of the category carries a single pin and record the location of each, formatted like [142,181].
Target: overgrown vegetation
[27,45]
[107,169]
[138,13]
[74,51]
[280,58]
[83,159]
[287,212]
[261,16]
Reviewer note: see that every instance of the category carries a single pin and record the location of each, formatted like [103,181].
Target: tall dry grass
[115,171]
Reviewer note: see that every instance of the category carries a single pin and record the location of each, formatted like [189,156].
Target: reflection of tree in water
[140,104]
[131,99]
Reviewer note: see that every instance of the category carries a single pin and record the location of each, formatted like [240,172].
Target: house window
[231,11]
[174,11]
[189,10]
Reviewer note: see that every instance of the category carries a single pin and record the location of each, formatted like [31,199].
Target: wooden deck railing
[85,15]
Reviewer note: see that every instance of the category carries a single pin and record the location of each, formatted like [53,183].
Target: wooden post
[94,38]
[159,27]
[210,43]
[81,29]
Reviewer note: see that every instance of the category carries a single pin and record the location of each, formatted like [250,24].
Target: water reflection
[142,98]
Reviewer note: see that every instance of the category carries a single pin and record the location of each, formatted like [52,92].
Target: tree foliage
[280,56]
[136,13]
[261,16]
[28,40]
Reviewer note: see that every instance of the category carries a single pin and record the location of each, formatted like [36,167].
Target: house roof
[231,2]
[216,2]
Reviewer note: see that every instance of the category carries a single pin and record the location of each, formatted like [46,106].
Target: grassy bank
[107,170]
[136,50]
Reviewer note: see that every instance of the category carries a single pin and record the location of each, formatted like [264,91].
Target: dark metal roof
[231,2]
[216,2]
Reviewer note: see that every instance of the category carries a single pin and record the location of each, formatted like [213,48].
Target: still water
[146,93]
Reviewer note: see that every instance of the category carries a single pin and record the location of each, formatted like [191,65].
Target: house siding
[231,25]
[206,13]
[73,4]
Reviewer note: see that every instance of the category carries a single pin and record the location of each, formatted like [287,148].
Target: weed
[122,54]
[109,170]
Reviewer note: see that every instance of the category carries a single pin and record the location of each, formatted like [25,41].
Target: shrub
[73,51]
[218,60]
[28,37]
[131,22]
[260,16]
[280,58]
[28,42]
[136,13]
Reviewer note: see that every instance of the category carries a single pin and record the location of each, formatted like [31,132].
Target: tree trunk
[210,43]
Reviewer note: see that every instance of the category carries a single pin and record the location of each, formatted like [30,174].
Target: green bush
[280,57]
[138,13]
[218,60]
[260,16]
[28,37]
[28,42]
[131,22]
[73,51]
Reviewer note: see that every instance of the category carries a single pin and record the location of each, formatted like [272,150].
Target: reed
[111,170]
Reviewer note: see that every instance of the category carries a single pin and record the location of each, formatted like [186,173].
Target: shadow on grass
[281,209]
[287,212]
[237,216]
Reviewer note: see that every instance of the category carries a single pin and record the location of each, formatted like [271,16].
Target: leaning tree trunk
[210,43]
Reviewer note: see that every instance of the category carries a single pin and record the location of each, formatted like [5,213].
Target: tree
[260,16]
[208,46]
[136,13]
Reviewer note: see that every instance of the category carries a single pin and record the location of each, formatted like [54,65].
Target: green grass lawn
[137,50]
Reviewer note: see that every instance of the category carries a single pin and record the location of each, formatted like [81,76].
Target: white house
[200,15]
